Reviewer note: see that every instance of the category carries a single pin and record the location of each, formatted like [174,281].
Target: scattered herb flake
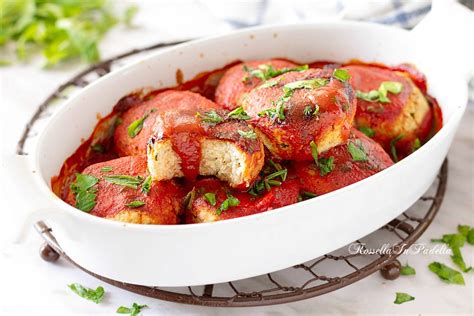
[146,185]
[393,148]
[135,204]
[238,114]
[210,117]
[84,191]
[189,199]
[326,165]
[381,94]
[124,180]
[95,296]
[407,270]
[133,311]
[314,151]
[106,169]
[403,298]
[446,274]
[210,198]
[98,148]
[357,151]
[367,131]
[341,75]
[229,202]
[416,145]
[247,134]
[136,126]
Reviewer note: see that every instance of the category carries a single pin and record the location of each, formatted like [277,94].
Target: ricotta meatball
[211,200]
[391,109]
[357,159]
[192,140]
[296,108]
[243,77]
[122,190]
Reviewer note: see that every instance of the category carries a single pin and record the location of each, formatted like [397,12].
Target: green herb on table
[61,30]
[403,298]
[210,198]
[357,151]
[133,311]
[95,296]
[446,274]
[129,14]
[381,94]
[229,202]
[124,180]
[84,189]
[407,270]
[455,242]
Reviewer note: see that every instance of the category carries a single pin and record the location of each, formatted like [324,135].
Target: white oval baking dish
[180,255]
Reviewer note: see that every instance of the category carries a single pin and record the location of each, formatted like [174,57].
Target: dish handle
[445,31]
[25,202]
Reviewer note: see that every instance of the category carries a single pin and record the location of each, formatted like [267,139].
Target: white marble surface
[31,286]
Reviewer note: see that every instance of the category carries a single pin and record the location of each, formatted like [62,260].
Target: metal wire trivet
[316,277]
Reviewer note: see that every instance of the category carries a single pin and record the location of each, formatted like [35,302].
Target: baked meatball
[340,166]
[293,109]
[212,200]
[122,190]
[243,77]
[391,109]
[193,139]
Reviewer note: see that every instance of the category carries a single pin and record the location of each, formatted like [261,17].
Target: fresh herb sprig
[95,296]
[381,94]
[133,311]
[85,191]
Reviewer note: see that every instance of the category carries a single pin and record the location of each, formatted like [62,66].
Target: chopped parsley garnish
[146,185]
[407,270]
[305,84]
[381,94]
[247,134]
[367,131]
[446,274]
[269,180]
[229,202]
[85,191]
[95,296]
[341,75]
[268,84]
[416,145]
[210,117]
[393,148]
[266,71]
[325,165]
[357,151]
[135,204]
[189,199]
[106,169]
[98,148]
[306,195]
[124,180]
[133,311]
[455,242]
[279,110]
[136,126]
[403,298]
[210,198]
[238,114]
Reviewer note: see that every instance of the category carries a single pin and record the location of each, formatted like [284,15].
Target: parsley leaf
[357,151]
[135,204]
[247,134]
[210,198]
[266,71]
[129,14]
[403,298]
[381,94]
[133,311]
[367,131]
[393,148]
[210,117]
[407,270]
[325,165]
[416,145]
[269,180]
[84,191]
[341,75]
[238,114]
[95,296]
[470,236]
[124,180]
[446,274]
[136,126]
[229,202]
[305,84]
[106,169]
[98,148]
[146,185]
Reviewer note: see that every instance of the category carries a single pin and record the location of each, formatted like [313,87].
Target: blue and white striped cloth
[245,13]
